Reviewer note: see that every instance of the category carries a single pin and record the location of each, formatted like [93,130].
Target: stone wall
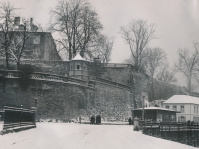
[58,100]
[127,75]
[67,100]
[112,102]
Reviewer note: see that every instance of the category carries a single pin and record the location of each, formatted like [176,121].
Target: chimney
[31,21]
[97,60]
[17,21]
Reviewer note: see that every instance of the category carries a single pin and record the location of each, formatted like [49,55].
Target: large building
[188,106]
[38,45]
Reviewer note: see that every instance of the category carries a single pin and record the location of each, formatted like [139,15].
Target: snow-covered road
[82,136]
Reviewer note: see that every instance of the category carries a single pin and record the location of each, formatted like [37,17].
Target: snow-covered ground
[84,136]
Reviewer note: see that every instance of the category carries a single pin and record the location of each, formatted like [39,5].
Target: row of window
[175,108]
[183,119]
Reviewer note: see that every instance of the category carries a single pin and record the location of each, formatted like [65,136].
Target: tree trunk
[7,57]
[189,84]
[70,51]
[18,64]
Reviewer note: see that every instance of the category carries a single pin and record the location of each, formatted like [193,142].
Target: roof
[155,108]
[183,99]
[78,58]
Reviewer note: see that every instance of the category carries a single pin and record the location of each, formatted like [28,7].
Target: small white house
[188,106]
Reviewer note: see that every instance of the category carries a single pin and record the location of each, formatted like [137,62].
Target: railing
[16,119]
[18,126]
[42,76]
[53,77]
[185,133]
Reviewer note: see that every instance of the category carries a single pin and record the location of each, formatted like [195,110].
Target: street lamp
[143,106]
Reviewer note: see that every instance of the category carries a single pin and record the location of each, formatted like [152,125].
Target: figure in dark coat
[92,119]
[98,119]
[130,121]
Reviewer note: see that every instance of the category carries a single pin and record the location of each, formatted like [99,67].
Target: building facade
[188,107]
[155,114]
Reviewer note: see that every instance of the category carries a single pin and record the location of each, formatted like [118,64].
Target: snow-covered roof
[183,99]
[78,58]
[154,108]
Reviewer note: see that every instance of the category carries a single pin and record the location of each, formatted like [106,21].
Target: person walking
[130,121]
[92,119]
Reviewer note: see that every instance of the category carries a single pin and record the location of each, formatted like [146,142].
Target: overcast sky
[177,21]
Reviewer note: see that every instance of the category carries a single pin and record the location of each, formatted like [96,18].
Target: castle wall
[112,102]
[125,74]
[65,101]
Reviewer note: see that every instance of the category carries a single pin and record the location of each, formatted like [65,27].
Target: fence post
[178,132]
[21,114]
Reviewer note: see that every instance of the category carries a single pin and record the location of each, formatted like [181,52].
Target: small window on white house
[182,109]
[181,118]
[195,109]
[175,108]
[167,107]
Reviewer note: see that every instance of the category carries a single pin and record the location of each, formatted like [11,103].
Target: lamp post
[143,106]
[21,114]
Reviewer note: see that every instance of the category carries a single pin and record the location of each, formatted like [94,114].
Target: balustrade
[43,76]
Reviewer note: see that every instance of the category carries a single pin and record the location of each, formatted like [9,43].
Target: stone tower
[78,68]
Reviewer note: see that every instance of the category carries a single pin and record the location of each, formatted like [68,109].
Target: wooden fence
[16,119]
[186,133]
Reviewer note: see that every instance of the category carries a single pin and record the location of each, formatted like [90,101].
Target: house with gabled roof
[188,106]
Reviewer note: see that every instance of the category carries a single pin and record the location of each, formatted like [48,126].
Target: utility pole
[143,96]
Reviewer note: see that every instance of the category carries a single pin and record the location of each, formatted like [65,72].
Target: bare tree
[187,63]
[102,49]
[137,34]
[76,27]
[167,76]
[154,58]
[6,25]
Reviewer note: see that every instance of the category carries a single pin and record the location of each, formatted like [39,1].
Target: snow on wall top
[183,99]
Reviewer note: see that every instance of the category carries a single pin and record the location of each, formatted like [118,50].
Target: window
[182,109]
[195,109]
[181,118]
[84,66]
[167,107]
[196,119]
[175,108]
[71,67]
[36,39]
[77,66]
